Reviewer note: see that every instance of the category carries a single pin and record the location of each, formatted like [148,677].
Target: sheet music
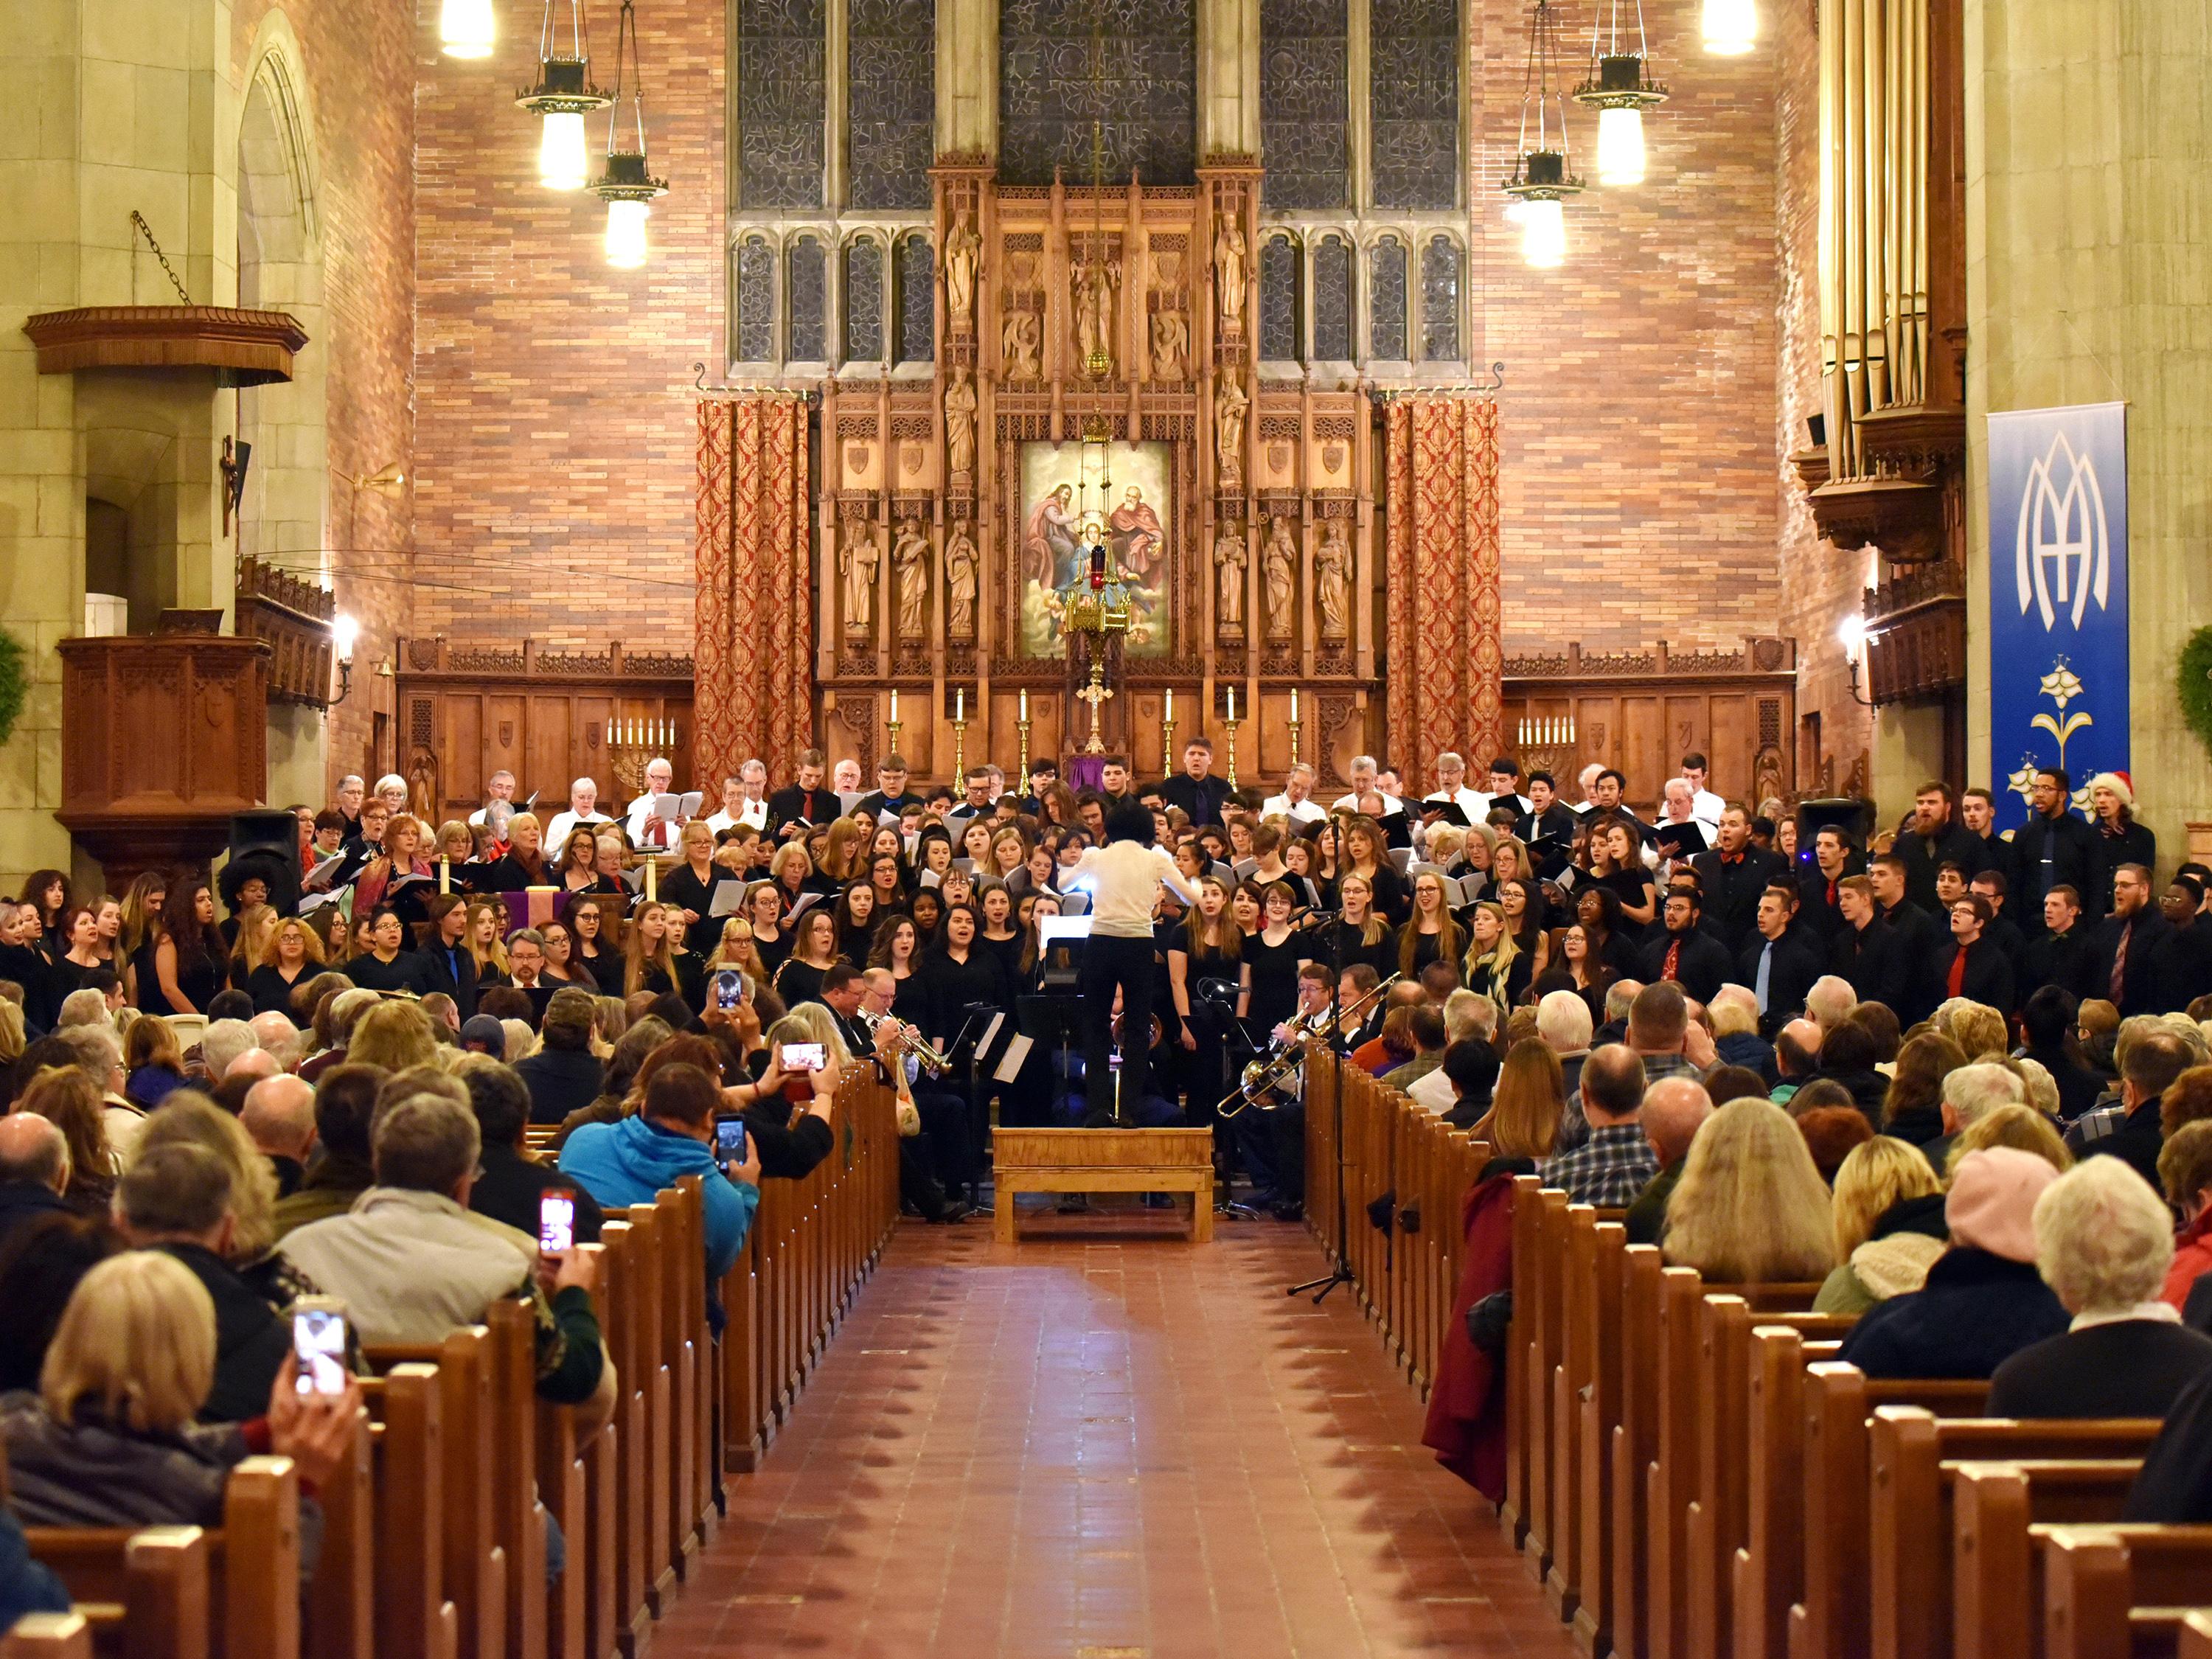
[1010,1063]
[728,900]
[990,1034]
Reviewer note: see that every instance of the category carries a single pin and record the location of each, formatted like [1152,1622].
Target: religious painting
[1135,511]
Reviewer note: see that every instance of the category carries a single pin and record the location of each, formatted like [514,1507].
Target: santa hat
[2119,783]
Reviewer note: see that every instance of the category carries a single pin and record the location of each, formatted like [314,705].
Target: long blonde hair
[637,958]
[190,1118]
[1874,1176]
[1228,937]
[1489,971]
[1527,1101]
[1375,930]
[1450,937]
[138,1337]
[1750,1206]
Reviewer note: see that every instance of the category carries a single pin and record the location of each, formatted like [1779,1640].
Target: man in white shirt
[583,808]
[638,822]
[1705,805]
[1365,776]
[1467,1014]
[1296,803]
[1586,785]
[1451,786]
[499,786]
[744,799]
[1124,879]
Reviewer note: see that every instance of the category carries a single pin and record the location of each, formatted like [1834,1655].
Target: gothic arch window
[917,299]
[1440,300]
[1278,300]
[756,309]
[864,300]
[806,281]
[1386,300]
[1332,300]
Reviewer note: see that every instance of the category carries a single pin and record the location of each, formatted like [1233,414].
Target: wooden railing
[434,1534]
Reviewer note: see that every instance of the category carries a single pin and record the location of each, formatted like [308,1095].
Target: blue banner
[2058,599]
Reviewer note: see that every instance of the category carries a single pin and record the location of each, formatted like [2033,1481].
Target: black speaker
[1816,431]
[1854,817]
[264,843]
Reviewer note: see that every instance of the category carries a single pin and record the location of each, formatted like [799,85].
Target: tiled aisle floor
[1108,1447]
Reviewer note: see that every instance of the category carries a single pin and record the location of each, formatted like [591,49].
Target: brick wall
[360,69]
[555,420]
[1819,585]
[1640,405]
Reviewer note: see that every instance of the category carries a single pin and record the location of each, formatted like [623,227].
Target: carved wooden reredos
[1266,573]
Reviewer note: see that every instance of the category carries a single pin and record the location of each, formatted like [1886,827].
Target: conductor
[1123,879]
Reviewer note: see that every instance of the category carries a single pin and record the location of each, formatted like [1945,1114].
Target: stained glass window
[809,289]
[781,88]
[1440,286]
[1413,102]
[1386,300]
[1303,102]
[864,300]
[1143,95]
[756,301]
[891,93]
[1332,300]
[917,300]
[1278,299]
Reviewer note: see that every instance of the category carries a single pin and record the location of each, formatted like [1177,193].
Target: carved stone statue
[962,245]
[1333,580]
[1229,405]
[1278,565]
[1228,272]
[960,423]
[1230,563]
[960,581]
[910,563]
[857,561]
[1170,344]
[1018,340]
[1097,280]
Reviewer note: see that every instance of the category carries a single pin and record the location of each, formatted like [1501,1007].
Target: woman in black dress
[960,972]
[856,922]
[1523,901]
[763,908]
[1000,935]
[1359,935]
[47,892]
[188,959]
[887,880]
[562,968]
[1495,966]
[1597,910]
[1432,932]
[1586,974]
[690,887]
[1367,852]
[295,955]
[486,947]
[898,949]
[1207,946]
[649,953]
[587,920]
[1617,866]
[813,953]
[1272,957]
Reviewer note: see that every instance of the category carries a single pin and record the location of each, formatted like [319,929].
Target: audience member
[1889,1226]
[41,1262]
[1750,1207]
[1674,1109]
[34,1171]
[2185,1170]
[340,1171]
[562,1076]
[1968,1093]
[1830,1133]
[1616,1162]
[279,1114]
[2154,1060]
[509,1181]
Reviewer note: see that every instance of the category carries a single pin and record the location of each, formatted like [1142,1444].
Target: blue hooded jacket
[631,1161]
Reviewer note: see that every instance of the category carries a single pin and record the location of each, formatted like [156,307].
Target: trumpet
[931,1059]
[1262,1077]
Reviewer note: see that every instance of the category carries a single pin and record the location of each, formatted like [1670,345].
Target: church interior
[440,392]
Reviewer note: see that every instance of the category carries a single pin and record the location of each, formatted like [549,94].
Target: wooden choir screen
[469,709]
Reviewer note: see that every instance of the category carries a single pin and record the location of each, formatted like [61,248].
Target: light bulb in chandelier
[562,155]
[1544,234]
[625,243]
[563,95]
[465,28]
[1620,146]
[1730,27]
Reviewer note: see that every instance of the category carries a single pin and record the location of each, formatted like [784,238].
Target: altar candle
[1025,703]
[1294,703]
[445,874]
[960,703]
[1171,714]
[1232,702]
[651,870]
[894,719]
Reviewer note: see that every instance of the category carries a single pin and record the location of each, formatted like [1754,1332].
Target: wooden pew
[1831,1620]
[340,1621]
[1598,1410]
[1996,1583]
[1635,1447]
[1768,1569]
[1544,1311]
[48,1636]
[625,1609]
[1913,1458]
[415,1617]
[2115,1592]
[242,1579]
[1513,1513]
[2194,1638]
[1571,1381]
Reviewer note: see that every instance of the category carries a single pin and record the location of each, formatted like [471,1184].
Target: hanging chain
[146,230]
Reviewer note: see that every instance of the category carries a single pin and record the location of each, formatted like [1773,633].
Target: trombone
[1262,1077]
[933,1059]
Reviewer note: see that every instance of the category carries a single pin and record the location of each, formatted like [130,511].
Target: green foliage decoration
[15,682]
[2195,684]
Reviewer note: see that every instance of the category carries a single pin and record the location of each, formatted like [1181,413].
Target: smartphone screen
[803,1056]
[730,1140]
[318,1345]
[556,1220]
[729,988]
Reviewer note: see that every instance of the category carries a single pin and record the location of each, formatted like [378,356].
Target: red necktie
[1832,895]
[2120,963]
[1958,970]
[1674,960]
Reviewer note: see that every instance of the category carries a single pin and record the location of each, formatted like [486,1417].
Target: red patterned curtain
[754,633]
[1444,616]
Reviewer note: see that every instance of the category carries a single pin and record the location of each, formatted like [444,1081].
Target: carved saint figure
[960,423]
[910,563]
[1229,405]
[1279,563]
[961,245]
[1170,341]
[1019,339]
[1097,279]
[960,575]
[1230,563]
[1333,580]
[857,561]
[1228,272]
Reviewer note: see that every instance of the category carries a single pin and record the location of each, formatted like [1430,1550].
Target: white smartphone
[556,1220]
[318,1344]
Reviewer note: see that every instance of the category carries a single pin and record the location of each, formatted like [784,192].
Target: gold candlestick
[1022,726]
[1096,693]
[1294,742]
[1230,723]
[892,729]
[960,754]
[1167,743]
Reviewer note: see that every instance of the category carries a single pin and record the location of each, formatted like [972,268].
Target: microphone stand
[1340,1272]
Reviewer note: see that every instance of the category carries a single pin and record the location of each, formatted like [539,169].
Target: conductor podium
[1103,1161]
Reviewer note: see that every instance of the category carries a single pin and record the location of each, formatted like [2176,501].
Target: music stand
[1340,1272]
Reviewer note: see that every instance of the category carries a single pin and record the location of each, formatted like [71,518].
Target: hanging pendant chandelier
[564,94]
[628,186]
[1729,27]
[465,28]
[1619,89]
[1542,179]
